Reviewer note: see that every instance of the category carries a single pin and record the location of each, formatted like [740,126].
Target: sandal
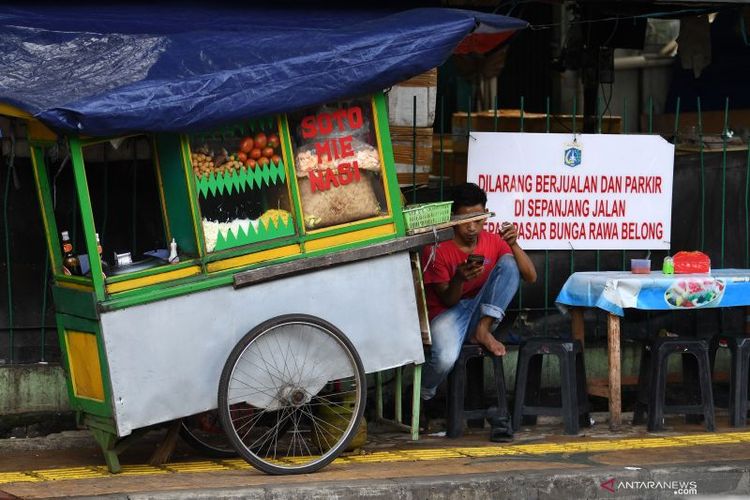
[501,430]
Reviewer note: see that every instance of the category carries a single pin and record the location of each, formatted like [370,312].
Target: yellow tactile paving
[18,477]
[488,451]
[70,473]
[581,446]
[205,466]
[236,463]
[134,470]
[741,436]
[708,439]
[431,454]
[541,449]
[381,456]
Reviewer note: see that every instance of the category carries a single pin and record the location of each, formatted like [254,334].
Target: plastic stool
[739,349]
[652,381]
[574,406]
[457,415]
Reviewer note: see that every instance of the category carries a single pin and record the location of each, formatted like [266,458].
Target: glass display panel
[241,185]
[126,204]
[70,242]
[337,163]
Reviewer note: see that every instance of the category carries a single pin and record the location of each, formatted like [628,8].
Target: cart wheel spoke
[292,394]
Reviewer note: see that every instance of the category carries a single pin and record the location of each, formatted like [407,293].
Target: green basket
[427,214]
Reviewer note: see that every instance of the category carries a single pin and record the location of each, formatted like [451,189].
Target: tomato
[262,162]
[275,159]
[268,152]
[261,140]
[273,140]
[241,156]
[256,153]
[246,144]
[251,163]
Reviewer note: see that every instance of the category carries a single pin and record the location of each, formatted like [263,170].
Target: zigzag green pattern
[249,178]
[262,234]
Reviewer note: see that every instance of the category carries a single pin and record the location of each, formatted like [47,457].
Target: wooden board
[309,264]
[407,179]
[426,79]
[509,120]
[406,141]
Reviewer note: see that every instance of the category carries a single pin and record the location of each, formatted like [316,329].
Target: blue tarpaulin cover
[103,70]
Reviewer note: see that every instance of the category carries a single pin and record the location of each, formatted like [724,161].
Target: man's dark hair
[468,195]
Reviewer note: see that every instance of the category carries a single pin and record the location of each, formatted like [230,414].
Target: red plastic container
[691,263]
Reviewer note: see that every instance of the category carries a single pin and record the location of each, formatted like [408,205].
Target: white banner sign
[597,191]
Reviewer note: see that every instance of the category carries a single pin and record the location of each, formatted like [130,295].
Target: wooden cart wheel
[301,386]
[203,432]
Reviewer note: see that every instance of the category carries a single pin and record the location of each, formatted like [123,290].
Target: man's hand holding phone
[509,233]
[472,268]
[476,259]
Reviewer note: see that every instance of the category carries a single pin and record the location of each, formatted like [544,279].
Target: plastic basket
[427,214]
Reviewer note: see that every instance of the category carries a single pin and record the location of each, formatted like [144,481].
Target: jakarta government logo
[572,156]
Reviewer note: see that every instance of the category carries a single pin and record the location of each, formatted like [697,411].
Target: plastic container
[640,266]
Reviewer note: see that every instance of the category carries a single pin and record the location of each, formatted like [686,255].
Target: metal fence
[710,212]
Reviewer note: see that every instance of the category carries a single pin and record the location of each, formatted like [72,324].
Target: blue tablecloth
[615,291]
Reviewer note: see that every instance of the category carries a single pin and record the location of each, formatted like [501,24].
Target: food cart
[280,276]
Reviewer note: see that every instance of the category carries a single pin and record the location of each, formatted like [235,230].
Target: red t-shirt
[447,258]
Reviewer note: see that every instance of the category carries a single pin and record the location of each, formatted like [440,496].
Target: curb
[626,483]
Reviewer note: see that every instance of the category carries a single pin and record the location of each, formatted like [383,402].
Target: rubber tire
[240,348]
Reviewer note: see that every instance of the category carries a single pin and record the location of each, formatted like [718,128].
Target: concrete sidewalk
[540,463]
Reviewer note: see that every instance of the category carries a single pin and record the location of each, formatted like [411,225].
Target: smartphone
[476,259]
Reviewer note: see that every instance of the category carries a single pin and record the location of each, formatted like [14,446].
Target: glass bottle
[668,265]
[71,264]
[105,266]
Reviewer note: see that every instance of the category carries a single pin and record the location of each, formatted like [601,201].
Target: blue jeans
[450,328]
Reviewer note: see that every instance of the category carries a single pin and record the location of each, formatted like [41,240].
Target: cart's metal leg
[379,395]
[399,396]
[416,402]
[398,420]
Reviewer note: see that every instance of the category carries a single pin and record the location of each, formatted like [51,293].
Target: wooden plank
[613,347]
[424,320]
[407,179]
[310,264]
[600,386]
[426,79]
[455,220]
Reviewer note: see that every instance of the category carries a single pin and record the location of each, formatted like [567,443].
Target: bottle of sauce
[174,258]
[71,265]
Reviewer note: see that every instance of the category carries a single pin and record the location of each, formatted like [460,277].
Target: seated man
[469,282]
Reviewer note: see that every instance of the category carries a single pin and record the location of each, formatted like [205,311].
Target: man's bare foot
[483,336]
